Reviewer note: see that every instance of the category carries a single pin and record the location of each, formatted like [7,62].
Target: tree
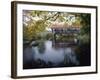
[36,22]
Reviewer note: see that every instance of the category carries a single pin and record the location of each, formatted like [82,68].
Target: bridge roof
[63,25]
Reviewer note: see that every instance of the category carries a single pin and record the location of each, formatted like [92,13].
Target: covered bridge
[65,29]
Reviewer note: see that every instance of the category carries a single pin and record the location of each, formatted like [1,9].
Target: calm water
[47,55]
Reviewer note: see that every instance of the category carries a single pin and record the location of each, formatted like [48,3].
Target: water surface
[47,55]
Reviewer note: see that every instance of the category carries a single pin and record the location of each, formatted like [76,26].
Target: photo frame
[50,39]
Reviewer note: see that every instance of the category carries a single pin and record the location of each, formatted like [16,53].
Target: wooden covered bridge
[60,29]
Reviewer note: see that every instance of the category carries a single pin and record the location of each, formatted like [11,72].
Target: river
[47,55]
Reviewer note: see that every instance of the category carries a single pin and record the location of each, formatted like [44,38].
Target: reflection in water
[45,55]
